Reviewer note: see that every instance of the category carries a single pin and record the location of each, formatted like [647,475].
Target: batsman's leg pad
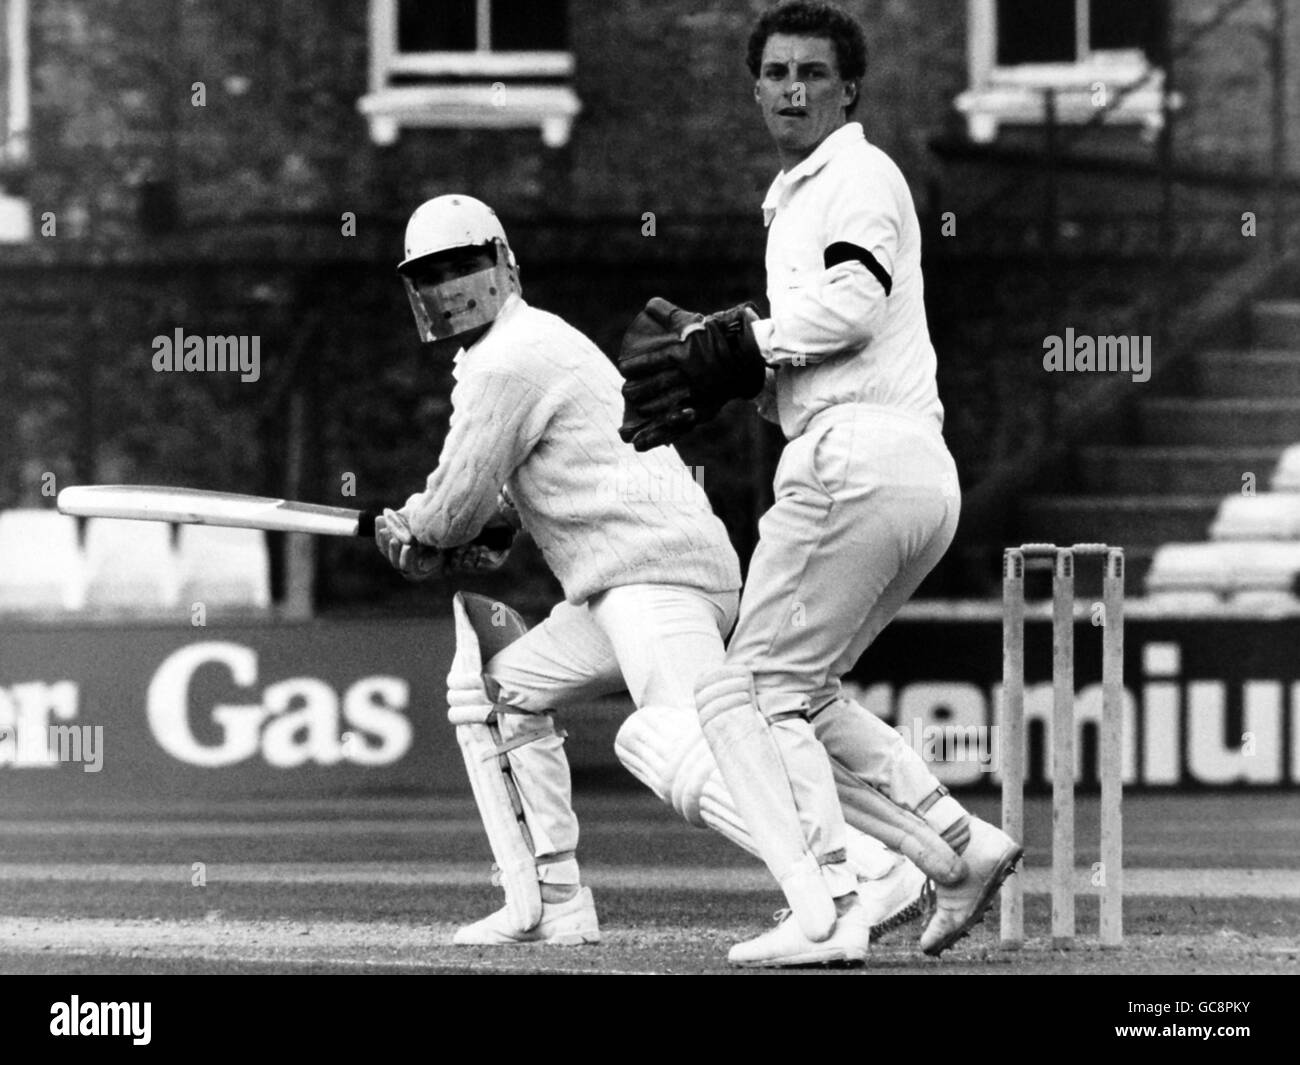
[500,758]
[655,744]
[874,813]
[877,774]
[868,857]
[759,782]
[664,748]
[868,747]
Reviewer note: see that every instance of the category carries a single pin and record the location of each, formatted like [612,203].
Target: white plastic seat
[1195,573]
[1286,476]
[130,566]
[1268,516]
[1186,602]
[1264,572]
[224,568]
[1263,601]
[41,567]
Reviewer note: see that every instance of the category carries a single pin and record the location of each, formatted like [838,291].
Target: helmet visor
[456,290]
[447,309]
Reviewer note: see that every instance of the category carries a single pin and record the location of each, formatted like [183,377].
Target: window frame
[15,137]
[507,95]
[1016,94]
[14,144]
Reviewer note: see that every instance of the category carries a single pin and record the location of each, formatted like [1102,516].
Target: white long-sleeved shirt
[835,336]
[536,407]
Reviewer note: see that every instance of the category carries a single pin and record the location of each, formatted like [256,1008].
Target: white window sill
[482,64]
[1017,96]
[15,219]
[503,105]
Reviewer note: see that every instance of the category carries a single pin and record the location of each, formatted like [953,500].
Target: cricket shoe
[901,896]
[992,856]
[785,946]
[564,924]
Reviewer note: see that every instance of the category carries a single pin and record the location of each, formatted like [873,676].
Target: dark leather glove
[679,369]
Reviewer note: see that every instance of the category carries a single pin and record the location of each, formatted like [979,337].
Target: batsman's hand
[477,556]
[412,559]
[679,368]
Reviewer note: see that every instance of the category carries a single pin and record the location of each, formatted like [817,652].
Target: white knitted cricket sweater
[536,407]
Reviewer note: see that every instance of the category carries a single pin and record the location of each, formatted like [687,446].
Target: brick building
[232,167]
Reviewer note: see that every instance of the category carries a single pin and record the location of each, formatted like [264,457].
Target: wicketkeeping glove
[679,368]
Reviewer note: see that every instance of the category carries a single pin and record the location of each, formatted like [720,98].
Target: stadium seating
[224,568]
[1191,576]
[130,566]
[40,563]
[1286,477]
[1267,516]
[1264,574]
[1259,574]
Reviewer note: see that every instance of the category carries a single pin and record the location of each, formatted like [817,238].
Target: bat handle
[494,538]
[366,523]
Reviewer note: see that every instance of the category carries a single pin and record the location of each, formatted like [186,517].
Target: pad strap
[522,740]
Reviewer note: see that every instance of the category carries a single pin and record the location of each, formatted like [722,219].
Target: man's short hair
[807,18]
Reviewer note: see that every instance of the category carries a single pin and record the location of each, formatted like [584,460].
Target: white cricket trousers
[652,639]
[867,501]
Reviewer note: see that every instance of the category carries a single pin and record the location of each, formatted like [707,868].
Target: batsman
[650,582]
[866,492]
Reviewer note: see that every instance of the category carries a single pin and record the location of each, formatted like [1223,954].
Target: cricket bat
[197,506]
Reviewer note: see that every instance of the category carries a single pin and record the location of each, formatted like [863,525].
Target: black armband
[844,252]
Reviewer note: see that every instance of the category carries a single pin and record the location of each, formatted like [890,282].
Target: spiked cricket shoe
[785,946]
[992,856]
[901,896]
[564,924]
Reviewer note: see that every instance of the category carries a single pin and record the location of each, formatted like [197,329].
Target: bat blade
[196,506]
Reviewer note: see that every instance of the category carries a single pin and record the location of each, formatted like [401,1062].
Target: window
[15,212]
[1087,52]
[470,63]
[1069,31]
[471,26]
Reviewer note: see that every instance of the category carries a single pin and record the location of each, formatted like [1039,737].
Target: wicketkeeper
[649,576]
[866,496]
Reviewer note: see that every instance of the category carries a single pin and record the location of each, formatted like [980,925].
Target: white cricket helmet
[448,309]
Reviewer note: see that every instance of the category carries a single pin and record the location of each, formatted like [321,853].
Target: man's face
[801,93]
[439,298]
[448,266]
